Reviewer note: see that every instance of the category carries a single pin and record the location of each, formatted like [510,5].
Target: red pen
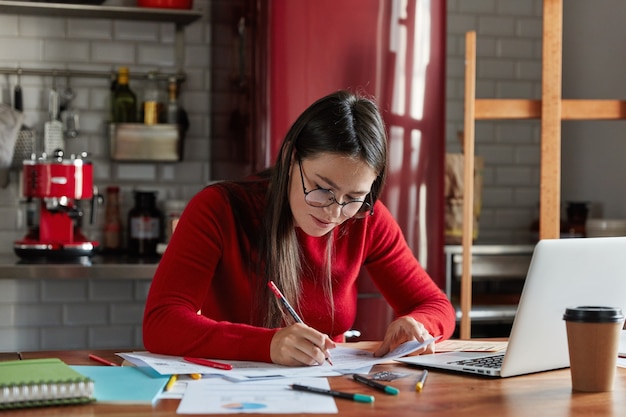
[206,362]
[102,360]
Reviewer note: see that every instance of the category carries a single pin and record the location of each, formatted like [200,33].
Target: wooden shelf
[176,16]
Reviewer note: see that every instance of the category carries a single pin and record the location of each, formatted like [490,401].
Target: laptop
[562,273]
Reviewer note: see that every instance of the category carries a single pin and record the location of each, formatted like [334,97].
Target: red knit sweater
[211,262]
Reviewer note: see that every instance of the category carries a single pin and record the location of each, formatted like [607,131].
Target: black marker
[348,396]
[370,382]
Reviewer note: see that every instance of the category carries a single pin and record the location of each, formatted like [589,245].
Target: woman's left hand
[402,330]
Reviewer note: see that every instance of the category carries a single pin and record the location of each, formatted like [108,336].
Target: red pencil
[102,360]
[212,364]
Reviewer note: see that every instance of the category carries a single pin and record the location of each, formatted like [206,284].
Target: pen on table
[209,363]
[171,382]
[387,389]
[362,398]
[420,384]
[102,360]
[288,306]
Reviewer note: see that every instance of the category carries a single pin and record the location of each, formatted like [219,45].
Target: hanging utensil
[26,137]
[69,116]
[53,128]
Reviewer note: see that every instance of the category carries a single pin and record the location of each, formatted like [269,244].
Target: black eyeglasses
[322,197]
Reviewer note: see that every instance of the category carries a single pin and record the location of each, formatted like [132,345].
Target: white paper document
[345,360]
[217,396]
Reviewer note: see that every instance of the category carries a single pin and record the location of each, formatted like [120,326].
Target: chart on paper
[217,396]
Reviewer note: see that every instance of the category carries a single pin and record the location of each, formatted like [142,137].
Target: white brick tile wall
[19,291]
[89,29]
[508,66]
[135,31]
[37,315]
[64,337]
[61,51]
[14,339]
[126,313]
[41,27]
[68,290]
[8,26]
[111,337]
[111,290]
[81,314]
[136,172]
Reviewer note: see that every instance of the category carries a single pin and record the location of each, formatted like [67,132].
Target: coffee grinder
[58,183]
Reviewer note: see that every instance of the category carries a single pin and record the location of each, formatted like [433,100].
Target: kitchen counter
[96,267]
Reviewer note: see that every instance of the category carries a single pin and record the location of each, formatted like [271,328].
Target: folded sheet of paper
[345,360]
[217,396]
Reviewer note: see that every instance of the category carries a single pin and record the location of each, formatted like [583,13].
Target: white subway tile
[136,172]
[45,27]
[129,30]
[65,338]
[38,314]
[496,26]
[63,290]
[516,7]
[65,50]
[14,290]
[113,52]
[477,6]
[90,28]
[8,25]
[127,313]
[152,54]
[22,339]
[21,49]
[111,290]
[111,337]
[85,314]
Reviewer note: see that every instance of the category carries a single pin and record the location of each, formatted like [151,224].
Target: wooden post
[468,185]
[550,188]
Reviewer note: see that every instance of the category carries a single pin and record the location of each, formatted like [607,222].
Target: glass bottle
[151,106]
[112,221]
[173,211]
[145,225]
[124,99]
[172,103]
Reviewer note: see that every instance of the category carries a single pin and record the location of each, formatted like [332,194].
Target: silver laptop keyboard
[494,361]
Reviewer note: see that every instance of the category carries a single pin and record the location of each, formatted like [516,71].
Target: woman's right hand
[300,345]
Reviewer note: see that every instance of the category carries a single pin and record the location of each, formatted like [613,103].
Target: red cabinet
[392,50]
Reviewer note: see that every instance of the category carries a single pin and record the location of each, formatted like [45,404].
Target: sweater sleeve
[403,282]
[185,283]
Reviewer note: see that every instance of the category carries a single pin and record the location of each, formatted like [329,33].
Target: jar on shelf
[145,225]
[173,211]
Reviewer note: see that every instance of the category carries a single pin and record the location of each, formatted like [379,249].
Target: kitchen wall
[593,67]
[508,66]
[103,45]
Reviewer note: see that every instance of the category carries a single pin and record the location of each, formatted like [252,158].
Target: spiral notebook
[42,382]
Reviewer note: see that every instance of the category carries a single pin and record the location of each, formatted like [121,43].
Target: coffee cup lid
[593,314]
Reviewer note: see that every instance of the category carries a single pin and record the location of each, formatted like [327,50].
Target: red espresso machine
[58,183]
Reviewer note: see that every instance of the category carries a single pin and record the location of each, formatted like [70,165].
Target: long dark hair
[341,123]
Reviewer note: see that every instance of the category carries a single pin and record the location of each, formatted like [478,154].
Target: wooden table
[445,394]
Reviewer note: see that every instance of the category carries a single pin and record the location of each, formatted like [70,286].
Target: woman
[308,224]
